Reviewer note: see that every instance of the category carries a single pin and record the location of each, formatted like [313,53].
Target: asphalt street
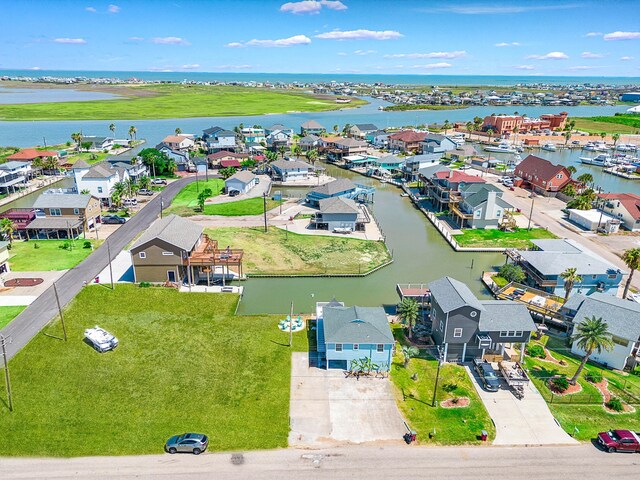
[583,462]
[44,309]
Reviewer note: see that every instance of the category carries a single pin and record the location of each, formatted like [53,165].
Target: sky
[520,37]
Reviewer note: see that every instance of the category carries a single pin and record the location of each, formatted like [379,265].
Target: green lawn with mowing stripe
[521,238]
[9,313]
[45,255]
[185,202]
[185,363]
[250,206]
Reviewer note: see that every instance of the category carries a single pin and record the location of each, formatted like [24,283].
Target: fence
[586,398]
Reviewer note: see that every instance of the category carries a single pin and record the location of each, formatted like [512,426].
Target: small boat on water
[504,147]
[626,147]
[602,160]
[549,147]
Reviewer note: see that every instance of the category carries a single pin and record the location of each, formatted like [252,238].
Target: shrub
[512,273]
[536,351]
[65,246]
[86,244]
[144,285]
[35,245]
[449,387]
[560,383]
[615,404]
[593,377]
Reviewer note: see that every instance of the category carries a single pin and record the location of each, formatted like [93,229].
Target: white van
[129,202]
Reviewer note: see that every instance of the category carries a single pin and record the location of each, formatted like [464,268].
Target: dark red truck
[619,441]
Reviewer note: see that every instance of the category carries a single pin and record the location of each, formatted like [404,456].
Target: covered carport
[54,228]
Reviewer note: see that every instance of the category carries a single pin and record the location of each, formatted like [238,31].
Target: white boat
[550,147]
[602,160]
[626,147]
[589,147]
[504,147]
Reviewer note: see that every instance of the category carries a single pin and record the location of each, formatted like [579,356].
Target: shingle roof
[363,127]
[338,205]
[630,201]
[481,196]
[31,154]
[174,138]
[350,142]
[554,263]
[81,164]
[557,245]
[431,170]
[336,186]
[541,168]
[408,136]
[225,153]
[244,176]
[574,301]
[456,176]
[212,130]
[501,315]
[62,200]
[356,325]
[471,188]
[450,294]
[291,165]
[622,316]
[312,124]
[391,159]
[100,170]
[174,230]
[57,223]
[13,164]
[309,139]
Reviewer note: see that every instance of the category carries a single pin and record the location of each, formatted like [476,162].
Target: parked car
[234,193]
[487,375]
[113,219]
[195,443]
[575,142]
[130,202]
[619,441]
[158,181]
[145,191]
[100,339]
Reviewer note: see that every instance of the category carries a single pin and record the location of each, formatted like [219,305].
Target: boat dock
[417,291]
[618,173]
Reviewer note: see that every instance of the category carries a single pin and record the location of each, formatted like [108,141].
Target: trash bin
[97,280]
[484,435]
[413,435]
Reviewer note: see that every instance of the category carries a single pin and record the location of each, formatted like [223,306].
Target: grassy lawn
[9,313]
[175,101]
[25,257]
[184,363]
[589,419]
[250,206]
[276,254]
[611,124]
[497,238]
[185,202]
[453,425]
[89,157]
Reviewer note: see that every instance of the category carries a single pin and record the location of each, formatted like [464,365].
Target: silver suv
[195,443]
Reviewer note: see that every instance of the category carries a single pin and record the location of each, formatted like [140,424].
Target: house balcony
[460,213]
[537,277]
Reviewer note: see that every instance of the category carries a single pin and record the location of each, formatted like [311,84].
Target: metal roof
[356,325]
[622,316]
[174,230]
[554,263]
[336,186]
[62,200]
[451,294]
[557,245]
[499,315]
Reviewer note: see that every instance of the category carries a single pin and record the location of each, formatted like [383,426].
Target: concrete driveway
[328,409]
[521,422]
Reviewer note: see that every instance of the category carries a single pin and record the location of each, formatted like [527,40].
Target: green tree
[144,181]
[615,137]
[408,353]
[572,169]
[296,150]
[603,135]
[346,128]
[202,198]
[446,126]
[178,131]
[570,277]
[7,227]
[85,191]
[512,273]
[567,137]
[490,133]
[227,172]
[86,145]
[132,132]
[585,178]
[271,156]
[569,190]
[248,163]
[281,150]
[77,138]
[112,127]
[51,165]
[132,187]
[116,199]
[591,335]
[631,258]
[171,167]
[312,156]
[408,313]
[336,128]
[120,188]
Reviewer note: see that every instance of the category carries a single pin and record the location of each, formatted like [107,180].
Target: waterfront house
[545,263]
[542,176]
[442,184]
[4,257]
[361,130]
[290,170]
[347,334]
[277,139]
[461,153]
[215,159]
[217,138]
[339,214]
[174,249]
[98,179]
[63,215]
[480,206]
[21,217]
[465,328]
[135,167]
[388,162]
[414,163]
[178,142]
[436,143]
[97,143]
[623,320]
[14,174]
[623,206]
[379,139]
[350,146]
[342,187]
[253,135]
[180,157]
[241,182]
[278,127]
[312,128]
[30,154]
[407,141]
[309,142]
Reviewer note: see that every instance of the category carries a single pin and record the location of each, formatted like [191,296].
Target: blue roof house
[345,334]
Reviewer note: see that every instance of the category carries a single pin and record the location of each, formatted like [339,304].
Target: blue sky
[590,38]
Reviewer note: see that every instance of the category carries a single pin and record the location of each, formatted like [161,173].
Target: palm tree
[572,169]
[345,130]
[312,156]
[116,199]
[120,188]
[7,227]
[516,131]
[446,125]
[569,190]
[144,182]
[603,135]
[171,167]
[570,277]
[408,313]
[85,191]
[282,149]
[51,164]
[132,187]
[470,128]
[178,131]
[490,133]
[271,155]
[296,150]
[591,335]
[336,127]
[631,258]
[132,132]
[615,137]
[112,127]
[567,137]
[585,178]
[77,137]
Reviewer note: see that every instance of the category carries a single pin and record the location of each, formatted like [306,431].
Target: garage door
[339,364]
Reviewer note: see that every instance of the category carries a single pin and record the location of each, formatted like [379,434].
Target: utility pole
[435,388]
[533,198]
[264,200]
[161,205]
[291,326]
[64,328]
[110,267]
[3,342]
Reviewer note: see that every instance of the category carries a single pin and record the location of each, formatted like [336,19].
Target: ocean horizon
[393,79]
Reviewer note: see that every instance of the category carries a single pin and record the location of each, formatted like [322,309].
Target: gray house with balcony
[480,206]
[466,328]
[338,213]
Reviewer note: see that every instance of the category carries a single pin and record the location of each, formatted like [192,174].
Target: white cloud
[136,39]
[34,68]
[191,66]
[497,10]
[160,69]
[70,41]
[360,34]
[591,55]
[594,34]
[311,6]
[169,41]
[626,58]
[364,52]
[622,36]
[455,54]
[113,9]
[343,54]
[549,56]
[581,68]
[524,67]
[432,66]
[507,44]
[281,42]
[234,67]
[91,9]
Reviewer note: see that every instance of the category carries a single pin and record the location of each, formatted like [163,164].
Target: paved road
[582,462]
[27,325]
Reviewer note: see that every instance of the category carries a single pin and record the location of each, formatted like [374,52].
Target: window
[142,255]
[380,348]
[441,326]
[559,176]
[76,211]
[99,189]
[473,314]
[457,332]
[612,275]
[504,333]
[356,346]
[55,212]
[167,254]
[498,213]
[518,333]
[338,347]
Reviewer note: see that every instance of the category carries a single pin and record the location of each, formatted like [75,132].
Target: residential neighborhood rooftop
[338,205]
[356,325]
[62,200]
[336,186]
[622,316]
[174,230]
[452,294]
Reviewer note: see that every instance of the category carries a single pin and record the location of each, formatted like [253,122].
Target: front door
[171,275]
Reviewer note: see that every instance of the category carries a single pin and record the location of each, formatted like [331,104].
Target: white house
[623,320]
[98,179]
[98,143]
[435,143]
[178,142]
[241,181]
[279,138]
[623,206]
[291,170]
[217,138]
